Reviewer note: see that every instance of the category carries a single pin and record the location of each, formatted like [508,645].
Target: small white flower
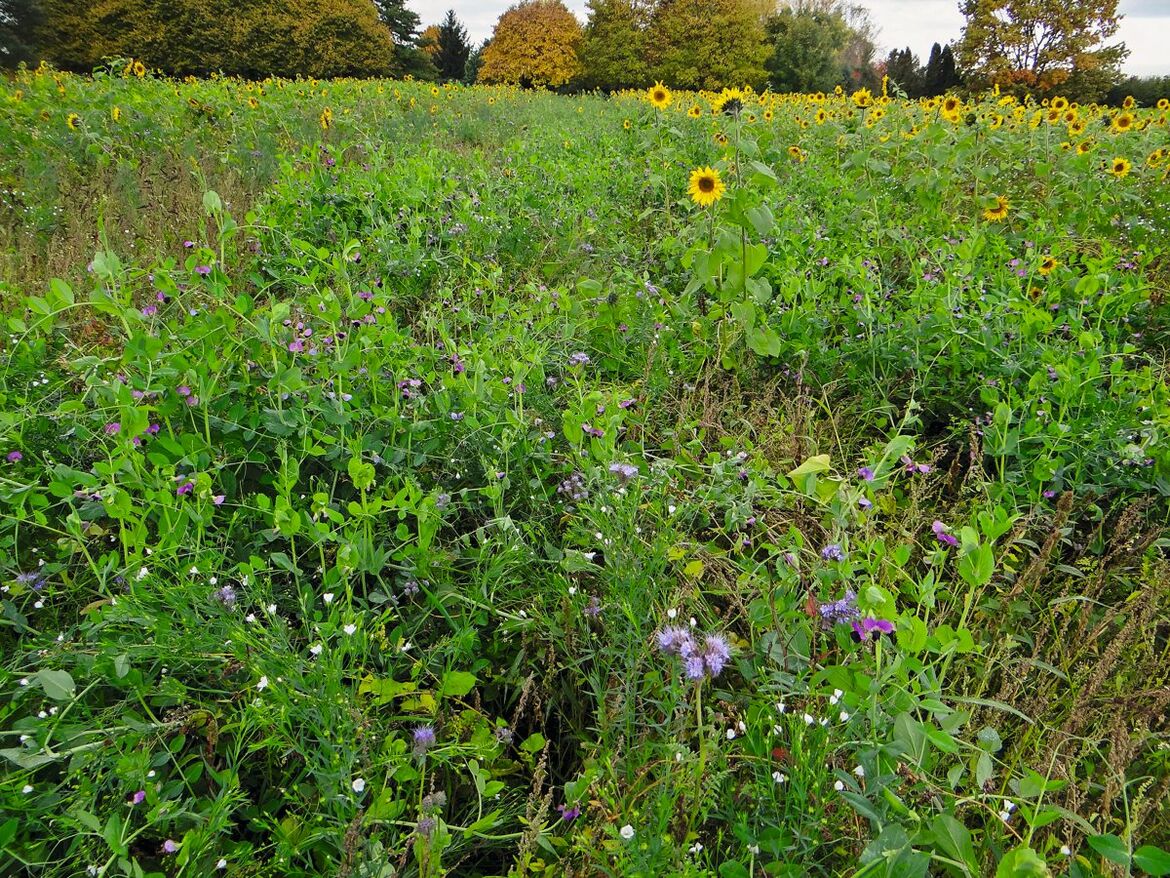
[839,785]
[588,556]
[270,609]
[843,716]
[27,788]
[1065,851]
[405,646]
[221,864]
[859,771]
[696,847]
[23,738]
[754,850]
[263,684]
[42,715]
[678,757]
[671,508]
[214,580]
[151,773]
[24,681]
[694,621]
[781,707]
[779,777]
[836,696]
[1005,816]
[194,571]
[824,720]
[672,613]
[809,719]
[316,648]
[350,628]
[61,637]
[742,726]
[91,870]
[328,597]
[777,730]
[359,785]
[731,734]
[38,605]
[142,573]
[599,536]
[251,617]
[626,832]
[1009,806]
[572,590]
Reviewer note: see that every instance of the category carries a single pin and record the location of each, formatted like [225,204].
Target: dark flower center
[706,184]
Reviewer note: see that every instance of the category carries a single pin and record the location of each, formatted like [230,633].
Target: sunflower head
[729,102]
[659,96]
[795,152]
[705,186]
[1164,103]
[1047,265]
[997,210]
[720,138]
[116,113]
[1156,157]
[1059,103]
[1123,122]
[1084,146]
[139,69]
[1128,103]
[694,112]
[326,118]
[1119,167]
[951,105]
[626,124]
[71,120]
[821,117]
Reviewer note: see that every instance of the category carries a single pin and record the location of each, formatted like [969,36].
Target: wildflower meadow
[403,479]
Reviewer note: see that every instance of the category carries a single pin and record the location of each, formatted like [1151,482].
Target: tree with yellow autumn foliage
[535,44]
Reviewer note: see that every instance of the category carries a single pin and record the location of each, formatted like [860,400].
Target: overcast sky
[1145,29]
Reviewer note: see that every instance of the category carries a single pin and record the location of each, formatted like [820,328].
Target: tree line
[1019,46]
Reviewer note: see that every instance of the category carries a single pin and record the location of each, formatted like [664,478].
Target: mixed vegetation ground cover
[407,480]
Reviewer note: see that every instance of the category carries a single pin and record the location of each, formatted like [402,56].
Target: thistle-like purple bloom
[624,471]
[424,739]
[578,359]
[138,798]
[716,655]
[203,270]
[15,457]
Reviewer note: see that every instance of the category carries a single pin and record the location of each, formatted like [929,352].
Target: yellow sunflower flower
[71,120]
[659,96]
[1119,167]
[998,211]
[1047,265]
[705,187]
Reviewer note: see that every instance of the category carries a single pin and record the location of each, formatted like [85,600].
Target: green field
[408,480]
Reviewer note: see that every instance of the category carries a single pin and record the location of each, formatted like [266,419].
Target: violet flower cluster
[707,661]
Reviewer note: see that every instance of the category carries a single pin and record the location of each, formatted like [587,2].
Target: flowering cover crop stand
[399,479]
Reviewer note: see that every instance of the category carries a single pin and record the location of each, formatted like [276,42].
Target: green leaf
[58,685]
[1152,860]
[121,666]
[457,683]
[818,464]
[534,743]
[1111,848]
[764,341]
[8,832]
[733,869]
[954,839]
[1022,862]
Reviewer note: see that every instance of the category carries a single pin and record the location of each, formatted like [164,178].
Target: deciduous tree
[707,44]
[1039,45]
[613,49]
[535,43]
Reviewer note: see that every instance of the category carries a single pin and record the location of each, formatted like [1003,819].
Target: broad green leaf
[57,685]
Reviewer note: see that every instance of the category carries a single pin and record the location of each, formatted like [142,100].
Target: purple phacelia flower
[624,471]
[578,359]
[15,457]
[833,552]
[569,814]
[112,428]
[424,739]
[716,654]
[138,798]
[203,270]
[843,610]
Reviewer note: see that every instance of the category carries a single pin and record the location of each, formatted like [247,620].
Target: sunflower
[1059,104]
[1084,146]
[139,69]
[694,112]
[729,101]
[720,138]
[326,118]
[659,96]
[116,113]
[71,120]
[1164,103]
[627,124]
[995,120]
[998,211]
[253,103]
[1122,122]
[1119,167]
[795,152]
[705,187]
[821,117]
[1047,265]
[1128,103]
[951,106]
[768,115]
[1155,158]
